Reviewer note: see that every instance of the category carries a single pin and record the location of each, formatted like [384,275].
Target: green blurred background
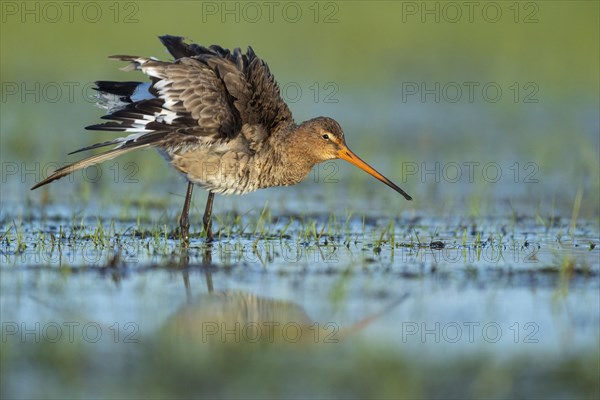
[353,61]
[359,62]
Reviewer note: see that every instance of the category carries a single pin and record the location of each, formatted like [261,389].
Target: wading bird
[219,118]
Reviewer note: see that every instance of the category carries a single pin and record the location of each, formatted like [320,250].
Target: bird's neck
[289,158]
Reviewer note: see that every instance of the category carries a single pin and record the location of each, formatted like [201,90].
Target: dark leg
[188,288]
[184,221]
[207,217]
[209,283]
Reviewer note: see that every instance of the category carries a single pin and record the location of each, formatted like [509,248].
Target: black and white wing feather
[206,93]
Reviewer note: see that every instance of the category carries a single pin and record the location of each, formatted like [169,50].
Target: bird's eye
[325,136]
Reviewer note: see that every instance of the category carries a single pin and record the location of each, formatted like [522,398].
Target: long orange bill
[346,154]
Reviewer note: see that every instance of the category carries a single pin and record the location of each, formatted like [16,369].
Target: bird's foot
[208,230]
[184,231]
[209,234]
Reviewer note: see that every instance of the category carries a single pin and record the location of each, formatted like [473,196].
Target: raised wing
[189,98]
[246,77]
[206,92]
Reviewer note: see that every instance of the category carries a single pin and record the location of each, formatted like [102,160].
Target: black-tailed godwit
[219,118]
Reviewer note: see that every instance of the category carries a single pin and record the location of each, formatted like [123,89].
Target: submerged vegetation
[191,319]
[143,236]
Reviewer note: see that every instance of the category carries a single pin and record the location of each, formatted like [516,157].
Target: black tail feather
[108,126]
[122,89]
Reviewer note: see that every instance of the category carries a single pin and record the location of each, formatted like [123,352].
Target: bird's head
[322,139]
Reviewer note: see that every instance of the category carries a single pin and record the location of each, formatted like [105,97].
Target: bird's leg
[209,282]
[207,217]
[188,288]
[184,221]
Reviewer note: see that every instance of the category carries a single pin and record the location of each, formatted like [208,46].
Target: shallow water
[445,289]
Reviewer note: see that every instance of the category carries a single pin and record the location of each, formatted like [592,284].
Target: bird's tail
[86,162]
